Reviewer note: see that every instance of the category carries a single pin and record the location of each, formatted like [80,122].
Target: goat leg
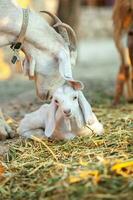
[123,75]
[130,73]
[5,130]
[119,85]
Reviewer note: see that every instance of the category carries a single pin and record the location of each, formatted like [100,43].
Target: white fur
[47,56]
[46,51]
[51,121]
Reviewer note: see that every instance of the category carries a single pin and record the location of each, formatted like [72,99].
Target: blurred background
[98,60]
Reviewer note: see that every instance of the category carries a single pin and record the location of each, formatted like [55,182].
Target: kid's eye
[56,101]
[74,98]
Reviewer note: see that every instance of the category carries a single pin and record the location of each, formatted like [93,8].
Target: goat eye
[74,98]
[56,101]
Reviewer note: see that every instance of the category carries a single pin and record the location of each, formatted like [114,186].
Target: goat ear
[77,85]
[50,124]
[85,108]
[66,71]
[65,65]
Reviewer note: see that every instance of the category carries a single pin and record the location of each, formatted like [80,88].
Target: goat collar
[17,45]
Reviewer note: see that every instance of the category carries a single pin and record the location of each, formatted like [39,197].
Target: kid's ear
[85,108]
[77,85]
[50,124]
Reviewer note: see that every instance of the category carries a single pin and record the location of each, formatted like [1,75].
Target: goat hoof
[5,130]
[115,104]
[130,101]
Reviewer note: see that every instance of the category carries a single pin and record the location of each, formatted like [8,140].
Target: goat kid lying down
[68,115]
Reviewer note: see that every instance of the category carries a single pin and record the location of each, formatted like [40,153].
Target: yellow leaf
[122,165]
[10,121]
[24,3]
[84,175]
[124,168]
[2,170]
[83,163]
[74,179]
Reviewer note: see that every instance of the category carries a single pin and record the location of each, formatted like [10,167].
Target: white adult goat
[47,52]
[64,118]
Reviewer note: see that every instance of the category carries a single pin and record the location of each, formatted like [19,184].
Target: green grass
[37,170]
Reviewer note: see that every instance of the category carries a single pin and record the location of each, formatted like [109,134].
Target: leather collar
[16,46]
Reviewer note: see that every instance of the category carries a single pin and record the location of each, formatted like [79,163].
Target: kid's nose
[67,112]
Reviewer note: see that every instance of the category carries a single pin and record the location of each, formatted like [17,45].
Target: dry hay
[84,168]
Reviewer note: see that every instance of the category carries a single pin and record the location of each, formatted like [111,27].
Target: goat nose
[67,111]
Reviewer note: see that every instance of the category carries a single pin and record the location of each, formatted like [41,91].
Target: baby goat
[68,115]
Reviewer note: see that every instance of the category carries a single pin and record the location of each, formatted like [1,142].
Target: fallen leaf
[83,163]
[2,169]
[84,175]
[10,121]
[125,168]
